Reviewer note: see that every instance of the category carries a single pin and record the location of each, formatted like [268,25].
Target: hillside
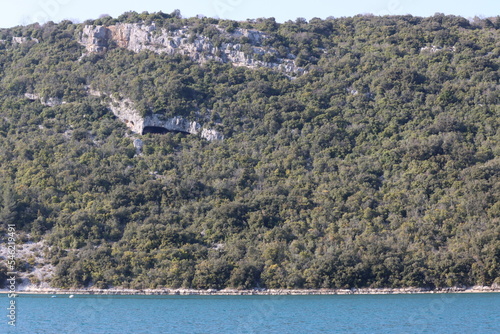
[151,151]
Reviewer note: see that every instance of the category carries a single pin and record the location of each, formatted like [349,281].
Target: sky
[22,12]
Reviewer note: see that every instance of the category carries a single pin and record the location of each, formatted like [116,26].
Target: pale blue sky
[13,13]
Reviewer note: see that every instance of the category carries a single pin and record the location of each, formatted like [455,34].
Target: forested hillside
[378,165]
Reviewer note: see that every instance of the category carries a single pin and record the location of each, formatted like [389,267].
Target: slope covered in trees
[377,167]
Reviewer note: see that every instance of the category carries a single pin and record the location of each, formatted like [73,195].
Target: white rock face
[125,111]
[95,39]
[211,134]
[51,101]
[138,37]
[30,96]
[138,145]
[434,49]
[21,40]
[177,124]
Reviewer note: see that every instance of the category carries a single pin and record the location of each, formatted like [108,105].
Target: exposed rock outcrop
[434,49]
[138,145]
[22,40]
[19,40]
[125,111]
[51,101]
[95,39]
[138,37]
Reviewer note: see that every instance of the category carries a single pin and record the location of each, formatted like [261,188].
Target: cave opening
[158,130]
[154,129]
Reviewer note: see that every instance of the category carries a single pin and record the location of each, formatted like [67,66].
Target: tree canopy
[377,167]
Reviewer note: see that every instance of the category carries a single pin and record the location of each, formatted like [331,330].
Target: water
[429,313]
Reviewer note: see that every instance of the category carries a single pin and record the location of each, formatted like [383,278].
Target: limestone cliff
[125,111]
[138,37]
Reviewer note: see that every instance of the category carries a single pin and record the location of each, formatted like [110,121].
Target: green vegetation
[379,167]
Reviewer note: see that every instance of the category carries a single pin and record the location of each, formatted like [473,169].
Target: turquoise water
[430,313]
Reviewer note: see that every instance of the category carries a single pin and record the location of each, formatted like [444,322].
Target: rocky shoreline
[264,292]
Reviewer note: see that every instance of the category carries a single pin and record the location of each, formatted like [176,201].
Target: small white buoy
[53,297]
[71,296]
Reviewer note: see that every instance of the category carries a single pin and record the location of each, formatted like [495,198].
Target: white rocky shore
[32,289]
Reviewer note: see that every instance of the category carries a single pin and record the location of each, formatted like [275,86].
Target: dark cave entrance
[158,130]
[154,129]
